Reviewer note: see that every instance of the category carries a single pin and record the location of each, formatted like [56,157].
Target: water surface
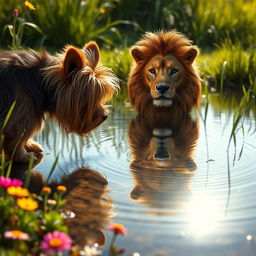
[175,184]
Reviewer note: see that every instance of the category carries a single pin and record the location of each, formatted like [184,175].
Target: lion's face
[163,76]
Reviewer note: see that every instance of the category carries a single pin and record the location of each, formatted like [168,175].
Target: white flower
[90,250]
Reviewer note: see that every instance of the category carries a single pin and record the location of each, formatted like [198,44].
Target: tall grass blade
[2,162]
[222,74]
[9,113]
[8,171]
[28,176]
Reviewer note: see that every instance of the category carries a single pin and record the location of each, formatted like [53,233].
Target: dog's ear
[191,54]
[92,53]
[137,54]
[74,59]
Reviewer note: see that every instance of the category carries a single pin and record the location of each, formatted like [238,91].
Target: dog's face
[84,88]
[163,75]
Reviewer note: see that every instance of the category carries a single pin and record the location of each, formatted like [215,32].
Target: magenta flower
[8,182]
[56,242]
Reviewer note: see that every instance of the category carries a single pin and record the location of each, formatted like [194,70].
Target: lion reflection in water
[87,199]
[162,165]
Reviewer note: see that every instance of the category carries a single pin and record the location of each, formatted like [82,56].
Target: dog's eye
[152,71]
[173,71]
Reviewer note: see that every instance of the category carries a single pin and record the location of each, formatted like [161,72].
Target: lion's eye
[152,71]
[173,71]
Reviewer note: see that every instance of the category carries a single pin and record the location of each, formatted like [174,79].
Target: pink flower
[8,182]
[15,12]
[16,234]
[56,242]
[118,229]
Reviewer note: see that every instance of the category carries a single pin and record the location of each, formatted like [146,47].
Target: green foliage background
[225,31]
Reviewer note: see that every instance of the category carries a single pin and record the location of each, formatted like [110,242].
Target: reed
[210,22]
[76,22]
[230,67]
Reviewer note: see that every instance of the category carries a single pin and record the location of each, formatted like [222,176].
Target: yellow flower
[17,191]
[27,204]
[46,190]
[61,188]
[102,10]
[29,5]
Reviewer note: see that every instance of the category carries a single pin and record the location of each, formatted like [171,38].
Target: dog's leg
[33,146]
[27,147]
[21,155]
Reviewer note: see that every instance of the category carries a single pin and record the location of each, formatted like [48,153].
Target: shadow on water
[88,209]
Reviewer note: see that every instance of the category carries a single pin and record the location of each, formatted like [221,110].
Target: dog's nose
[105,117]
[162,88]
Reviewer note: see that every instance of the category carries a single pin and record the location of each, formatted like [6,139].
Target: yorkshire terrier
[71,87]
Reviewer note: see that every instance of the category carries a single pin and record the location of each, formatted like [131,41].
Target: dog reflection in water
[162,152]
[87,201]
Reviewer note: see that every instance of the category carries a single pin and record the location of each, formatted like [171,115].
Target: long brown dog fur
[71,87]
[162,44]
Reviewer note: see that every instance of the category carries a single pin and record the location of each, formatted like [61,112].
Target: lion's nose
[161,155]
[162,88]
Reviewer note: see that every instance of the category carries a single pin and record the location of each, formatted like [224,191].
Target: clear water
[185,193]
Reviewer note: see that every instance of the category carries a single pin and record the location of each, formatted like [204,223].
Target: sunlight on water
[203,215]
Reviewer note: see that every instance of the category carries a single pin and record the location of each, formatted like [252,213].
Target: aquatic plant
[230,67]
[211,22]
[120,61]
[82,20]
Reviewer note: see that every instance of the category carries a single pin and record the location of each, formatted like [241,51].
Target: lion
[164,75]
[162,160]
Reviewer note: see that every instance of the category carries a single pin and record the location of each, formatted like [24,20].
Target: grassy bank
[229,67]
[113,22]
[117,24]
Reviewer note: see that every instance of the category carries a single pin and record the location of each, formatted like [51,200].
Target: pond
[176,185]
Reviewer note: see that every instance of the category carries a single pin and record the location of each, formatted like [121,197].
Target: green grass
[67,21]
[119,60]
[206,22]
[211,22]
[230,67]
[76,22]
